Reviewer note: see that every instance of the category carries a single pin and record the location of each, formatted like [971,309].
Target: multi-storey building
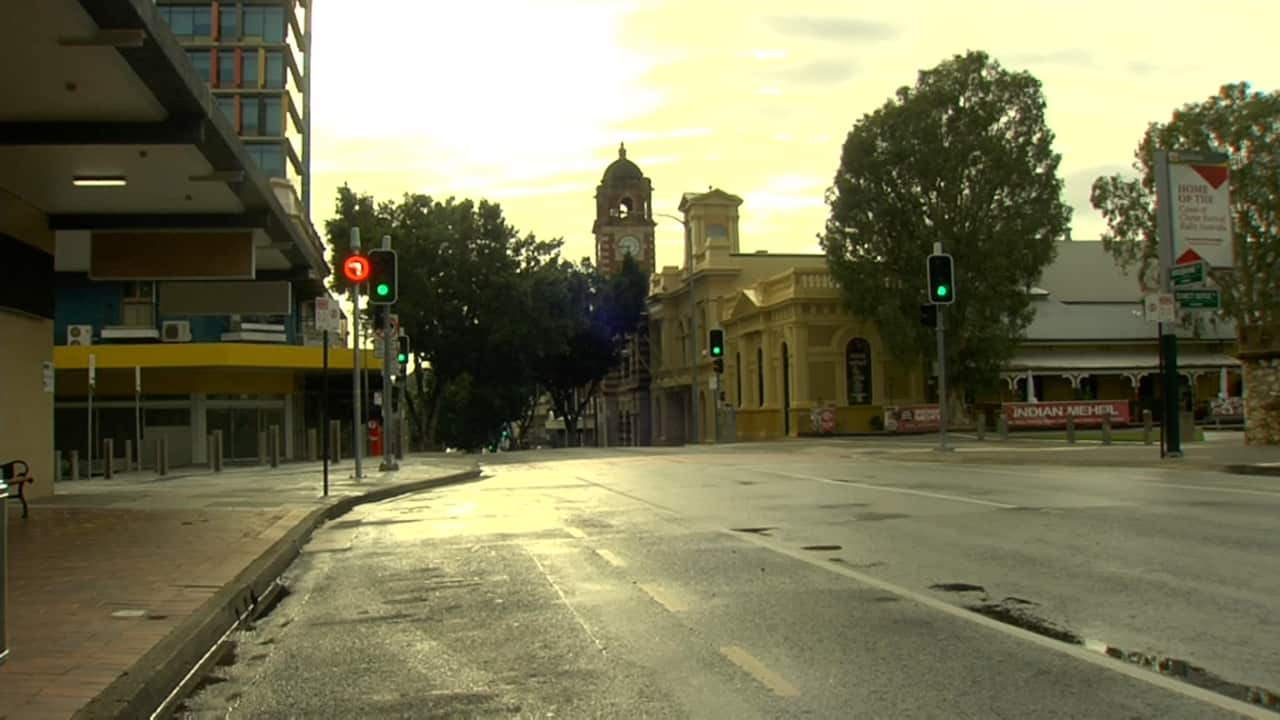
[255,57]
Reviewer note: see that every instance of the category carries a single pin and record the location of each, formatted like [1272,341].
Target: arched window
[624,208]
[857,371]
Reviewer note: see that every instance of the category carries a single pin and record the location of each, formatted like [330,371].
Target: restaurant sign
[1055,414]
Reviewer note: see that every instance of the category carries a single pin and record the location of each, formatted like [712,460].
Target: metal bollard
[57,466]
[4,571]
[108,458]
[273,445]
[211,445]
[1146,427]
[1071,430]
[1002,425]
[982,426]
[128,456]
[312,445]
[335,441]
[217,450]
[162,456]
[262,447]
[1106,429]
[74,469]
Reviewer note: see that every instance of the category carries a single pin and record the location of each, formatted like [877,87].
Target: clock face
[629,246]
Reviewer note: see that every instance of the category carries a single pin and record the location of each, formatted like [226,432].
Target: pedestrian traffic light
[402,352]
[929,315]
[718,363]
[383,277]
[717,343]
[942,286]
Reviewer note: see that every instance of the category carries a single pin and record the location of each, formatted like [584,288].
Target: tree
[964,159]
[462,269]
[599,313]
[1243,125]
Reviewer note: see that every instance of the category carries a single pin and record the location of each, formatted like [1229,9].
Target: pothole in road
[1193,675]
[1012,610]
[754,530]
[821,547]
[957,587]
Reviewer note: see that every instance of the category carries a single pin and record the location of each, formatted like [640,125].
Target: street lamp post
[693,329]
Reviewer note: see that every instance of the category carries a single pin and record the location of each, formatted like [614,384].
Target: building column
[199,428]
[1031,387]
[1222,382]
[800,365]
[290,412]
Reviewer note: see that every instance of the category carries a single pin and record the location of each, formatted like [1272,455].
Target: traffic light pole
[942,378]
[357,431]
[388,417]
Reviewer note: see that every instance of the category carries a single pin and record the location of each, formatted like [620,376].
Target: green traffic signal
[941,291]
[382,289]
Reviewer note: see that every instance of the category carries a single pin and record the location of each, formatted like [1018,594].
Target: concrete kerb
[141,690]
[1264,470]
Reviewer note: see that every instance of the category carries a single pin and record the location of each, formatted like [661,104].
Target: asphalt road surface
[767,581]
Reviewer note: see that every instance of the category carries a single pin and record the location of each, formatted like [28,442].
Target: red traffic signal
[356,268]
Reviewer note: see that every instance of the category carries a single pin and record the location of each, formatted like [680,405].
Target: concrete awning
[102,89]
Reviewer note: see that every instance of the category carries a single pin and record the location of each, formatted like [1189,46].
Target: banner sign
[1055,414]
[911,418]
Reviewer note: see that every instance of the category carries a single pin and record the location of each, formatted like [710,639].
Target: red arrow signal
[356,268]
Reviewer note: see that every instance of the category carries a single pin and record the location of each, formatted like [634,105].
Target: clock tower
[624,217]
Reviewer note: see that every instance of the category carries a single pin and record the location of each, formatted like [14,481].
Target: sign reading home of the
[1202,211]
[858,371]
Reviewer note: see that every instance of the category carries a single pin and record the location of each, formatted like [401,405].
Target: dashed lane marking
[770,679]
[663,598]
[576,532]
[610,558]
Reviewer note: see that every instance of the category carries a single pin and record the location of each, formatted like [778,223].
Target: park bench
[16,473]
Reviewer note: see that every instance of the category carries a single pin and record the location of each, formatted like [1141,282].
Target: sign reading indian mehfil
[1202,212]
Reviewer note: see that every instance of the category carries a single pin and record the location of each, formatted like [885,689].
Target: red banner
[1055,414]
[911,418]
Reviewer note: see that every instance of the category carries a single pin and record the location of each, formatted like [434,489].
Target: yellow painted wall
[196,355]
[758,423]
[26,410]
[119,382]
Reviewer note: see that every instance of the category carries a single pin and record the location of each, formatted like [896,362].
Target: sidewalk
[1221,451]
[114,584]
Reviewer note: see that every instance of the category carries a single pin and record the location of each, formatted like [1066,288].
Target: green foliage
[465,274]
[964,159]
[1244,125]
[598,313]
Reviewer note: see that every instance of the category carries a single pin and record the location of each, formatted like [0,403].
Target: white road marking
[664,599]
[770,679]
[565,600]
[888,488]
[1212,488]
[610,558]
[575,532]
[1076,651]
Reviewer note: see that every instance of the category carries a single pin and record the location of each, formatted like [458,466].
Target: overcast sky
[525,101]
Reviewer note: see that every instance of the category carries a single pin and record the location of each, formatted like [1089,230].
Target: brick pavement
[162,547]
[72,568]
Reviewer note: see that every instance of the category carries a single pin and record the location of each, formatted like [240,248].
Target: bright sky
[524,101]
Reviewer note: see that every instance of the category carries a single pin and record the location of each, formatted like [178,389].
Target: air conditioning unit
[175,331]
[79,334]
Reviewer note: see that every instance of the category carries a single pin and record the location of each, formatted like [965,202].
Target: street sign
[1160,308]
[93,369]
[1200,299]
[328,315]
[1201,209]
[1189,275]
